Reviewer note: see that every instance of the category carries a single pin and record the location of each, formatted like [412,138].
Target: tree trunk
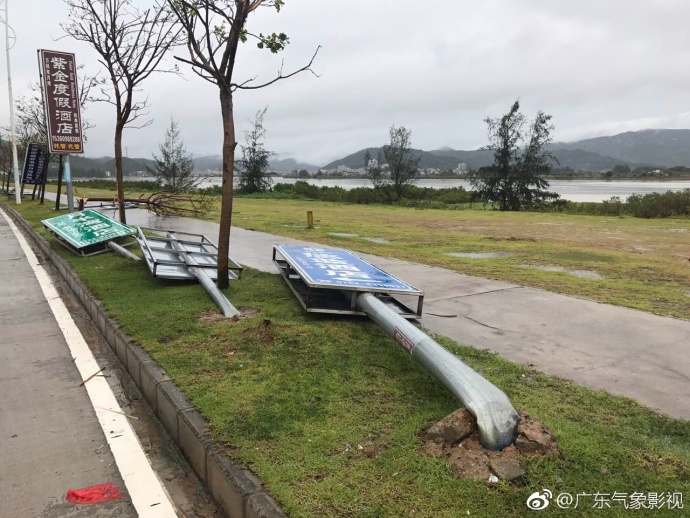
[118,173]
[226,198]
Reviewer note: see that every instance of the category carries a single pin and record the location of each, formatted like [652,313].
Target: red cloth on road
[94,494]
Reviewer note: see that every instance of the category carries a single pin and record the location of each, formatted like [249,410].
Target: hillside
[661,147]
[429,159]
[215,163]
[82,167]
[449,159]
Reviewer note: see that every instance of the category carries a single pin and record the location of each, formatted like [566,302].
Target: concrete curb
[236,490]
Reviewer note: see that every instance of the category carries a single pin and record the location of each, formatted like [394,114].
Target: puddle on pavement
[342,234]
[380,240]
[479,255]
[582,274]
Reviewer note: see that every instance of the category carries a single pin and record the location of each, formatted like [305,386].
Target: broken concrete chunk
[507,469]
[534,438]
[452,428]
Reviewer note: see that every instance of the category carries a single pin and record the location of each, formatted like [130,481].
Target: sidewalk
[623,351]
[52,430]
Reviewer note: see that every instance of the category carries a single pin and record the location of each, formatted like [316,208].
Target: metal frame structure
[162,253]
[318,297]
[192,257]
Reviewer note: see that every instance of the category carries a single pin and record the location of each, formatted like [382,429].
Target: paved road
[52,430]
[623,351]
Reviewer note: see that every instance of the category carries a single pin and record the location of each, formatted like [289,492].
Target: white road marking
[143,485]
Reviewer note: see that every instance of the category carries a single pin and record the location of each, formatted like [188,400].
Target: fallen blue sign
[328,280]
[337,268]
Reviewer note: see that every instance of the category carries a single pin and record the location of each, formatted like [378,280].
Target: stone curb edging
[237,491]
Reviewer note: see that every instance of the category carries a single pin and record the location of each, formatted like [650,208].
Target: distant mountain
[208,163]
[290,164]
[81,166]
[215,163]
[447,158]
[432,159]
[661,147]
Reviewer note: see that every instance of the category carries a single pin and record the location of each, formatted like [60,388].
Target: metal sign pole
[59,185]
[44,177]
[17,187]
[68,183]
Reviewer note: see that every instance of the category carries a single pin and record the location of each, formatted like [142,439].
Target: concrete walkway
[623,351]
[52,429]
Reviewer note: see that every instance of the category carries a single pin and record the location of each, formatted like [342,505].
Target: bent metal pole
[496,418]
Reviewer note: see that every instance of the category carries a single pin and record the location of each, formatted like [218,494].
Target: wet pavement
[51,433]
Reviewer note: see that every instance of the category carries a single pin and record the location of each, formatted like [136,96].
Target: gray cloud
[438,67]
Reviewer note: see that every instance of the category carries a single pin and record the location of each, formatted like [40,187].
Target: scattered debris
[456,438]
[92,376]
[94,494]
[118,412]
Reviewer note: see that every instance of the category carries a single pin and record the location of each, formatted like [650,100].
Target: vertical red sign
[63,116]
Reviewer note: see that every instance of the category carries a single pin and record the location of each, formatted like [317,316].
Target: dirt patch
[456,438]
[582,274]
[379,240]
[212,316]
[342,234]
[262,332]
[479,255]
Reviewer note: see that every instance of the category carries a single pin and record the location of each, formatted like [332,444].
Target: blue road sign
[338,268]
[34,162]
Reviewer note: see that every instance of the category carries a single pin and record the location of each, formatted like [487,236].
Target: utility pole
[15,164]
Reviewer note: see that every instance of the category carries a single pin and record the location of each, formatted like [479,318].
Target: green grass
[299,388]
[643,263]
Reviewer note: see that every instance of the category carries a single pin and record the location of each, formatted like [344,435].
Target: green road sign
[87,228]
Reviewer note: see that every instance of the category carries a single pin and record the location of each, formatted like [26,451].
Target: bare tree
[214,29]
[131,43]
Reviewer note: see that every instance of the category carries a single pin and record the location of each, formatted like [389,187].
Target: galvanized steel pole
[15,165]
[496,418]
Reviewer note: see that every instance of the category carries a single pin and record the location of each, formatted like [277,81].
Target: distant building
[373,163]
[461,168]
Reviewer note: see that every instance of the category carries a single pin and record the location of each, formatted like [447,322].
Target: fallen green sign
[86,232]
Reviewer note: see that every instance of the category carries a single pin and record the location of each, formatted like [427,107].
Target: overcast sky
[437,67]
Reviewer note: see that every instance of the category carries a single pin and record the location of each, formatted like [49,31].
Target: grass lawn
[286,392]
[642,264]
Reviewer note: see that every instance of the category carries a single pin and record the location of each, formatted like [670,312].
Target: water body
[573,190]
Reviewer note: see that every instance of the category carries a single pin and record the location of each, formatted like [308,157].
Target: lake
[573,190]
